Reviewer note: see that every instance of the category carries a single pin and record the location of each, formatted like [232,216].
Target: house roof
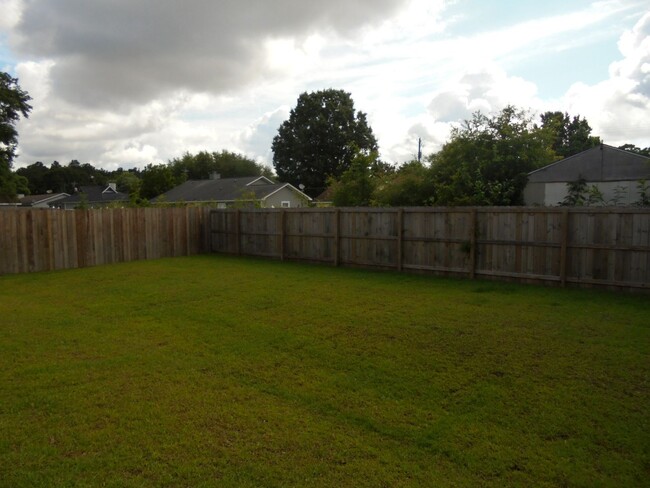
[224,189]
[95,194]
[326,196]
[600,163]
[30,200]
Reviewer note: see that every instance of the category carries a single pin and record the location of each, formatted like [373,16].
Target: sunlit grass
[214,371]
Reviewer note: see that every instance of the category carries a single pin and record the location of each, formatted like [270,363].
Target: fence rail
[585,247]
[607,247]
[44,239]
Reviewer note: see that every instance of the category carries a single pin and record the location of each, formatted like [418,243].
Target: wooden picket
[594,247]
[45,240]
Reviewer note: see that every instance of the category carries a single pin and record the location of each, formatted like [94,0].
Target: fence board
[587,247]
[45,240]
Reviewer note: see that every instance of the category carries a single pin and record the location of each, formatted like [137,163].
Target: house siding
[285,194]
[616,173]
[551,194]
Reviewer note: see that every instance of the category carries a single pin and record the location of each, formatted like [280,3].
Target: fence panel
[47,239]
[587,247]
[437,241]
[581,246]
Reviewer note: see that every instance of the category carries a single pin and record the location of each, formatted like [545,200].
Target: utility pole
[419,149]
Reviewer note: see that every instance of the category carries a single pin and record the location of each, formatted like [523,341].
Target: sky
[126,83]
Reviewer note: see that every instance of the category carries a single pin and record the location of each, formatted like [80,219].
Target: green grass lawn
[216,371]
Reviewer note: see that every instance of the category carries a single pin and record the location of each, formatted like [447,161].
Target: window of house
[285,204]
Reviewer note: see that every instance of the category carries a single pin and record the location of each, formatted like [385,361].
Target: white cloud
[11,13]
[56,130]
[257,138]
[123,82]
[618,109]
[110,52]
[487,90]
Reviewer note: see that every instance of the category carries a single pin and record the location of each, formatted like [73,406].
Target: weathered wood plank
[591,247]
[519,243]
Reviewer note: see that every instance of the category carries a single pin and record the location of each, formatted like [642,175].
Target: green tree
[157,179]
[59,178]
[56,179]
[356,186]
[579,194]
[411,185]
[226,163]
[247,199]
[643,186]
[13,104]
[570,135]
[320,139]
[636,150]
[81,174]
[127,182]
[36,177]
[487,160]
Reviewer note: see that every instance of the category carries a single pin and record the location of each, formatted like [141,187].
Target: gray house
[224,192]
[93,196]
[616,173]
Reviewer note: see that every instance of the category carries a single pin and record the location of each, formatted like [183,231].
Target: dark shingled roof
[34,199]
[96,195]
[220,190]
[600,163]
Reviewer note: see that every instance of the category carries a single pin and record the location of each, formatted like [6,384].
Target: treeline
[326,144]
[485,162]
[145,183]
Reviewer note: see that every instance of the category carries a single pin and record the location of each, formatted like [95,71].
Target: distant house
[47,200]
[325,198]
[93,196]
[614,172]
[225,192]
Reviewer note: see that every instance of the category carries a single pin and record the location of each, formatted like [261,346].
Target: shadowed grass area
[216,371]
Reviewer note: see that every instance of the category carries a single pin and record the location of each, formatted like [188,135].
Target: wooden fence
[577,246]
[44,239]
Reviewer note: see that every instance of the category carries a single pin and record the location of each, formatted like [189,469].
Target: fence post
[337,237]
[564,246]
[282,233]
[238,232]
[400,238]
[210,217]
[473,242]
[50,241]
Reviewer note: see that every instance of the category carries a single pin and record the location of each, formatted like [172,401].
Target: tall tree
[226,163]
[411,185]
[357,184]
[59,178]
[320,139]
[56,179]
[636,150]
[35,174]
[13,104]
[157,179]
[487,160]
[570,135]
